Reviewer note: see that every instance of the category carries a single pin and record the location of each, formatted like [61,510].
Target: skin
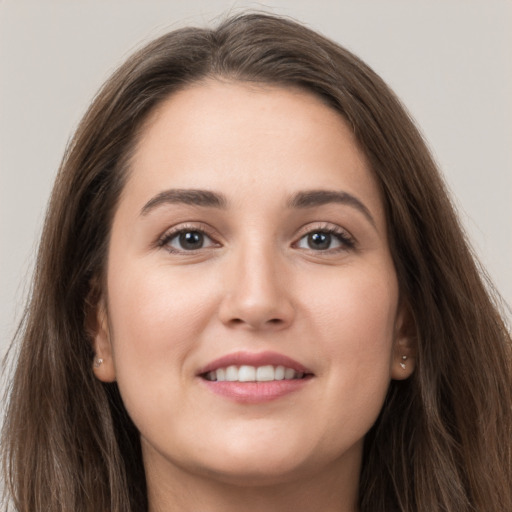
[256,284]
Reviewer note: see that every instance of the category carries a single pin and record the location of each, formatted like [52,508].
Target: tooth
[289,373]
[279,373]
[265,373]
[231,373]
[247,374]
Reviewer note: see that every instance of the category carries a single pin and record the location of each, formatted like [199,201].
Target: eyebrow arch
[194,197]
[312,198]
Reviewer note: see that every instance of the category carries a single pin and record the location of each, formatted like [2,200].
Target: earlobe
[103,365]
[404,348]
[404,360]
[99,333]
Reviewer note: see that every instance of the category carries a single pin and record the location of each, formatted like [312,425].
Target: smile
[254,378]
[246,373]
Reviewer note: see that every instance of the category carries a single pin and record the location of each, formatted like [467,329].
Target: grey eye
[319,241]
[189,240]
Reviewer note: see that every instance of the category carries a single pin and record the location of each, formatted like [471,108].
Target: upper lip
[254,359]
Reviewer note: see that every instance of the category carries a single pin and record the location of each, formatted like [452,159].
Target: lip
[255,392]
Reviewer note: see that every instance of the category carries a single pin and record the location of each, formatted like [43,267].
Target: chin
[249,462]
[257,472]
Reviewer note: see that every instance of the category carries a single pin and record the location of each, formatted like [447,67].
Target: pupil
[319,241]
[191,240]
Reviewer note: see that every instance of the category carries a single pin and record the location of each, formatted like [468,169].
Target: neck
[332,489]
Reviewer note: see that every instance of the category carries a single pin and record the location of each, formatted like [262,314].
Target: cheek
[152,298]
[355,318]
[155,322]
[358,345]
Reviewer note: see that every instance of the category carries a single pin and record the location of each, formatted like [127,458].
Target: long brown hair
[443,439]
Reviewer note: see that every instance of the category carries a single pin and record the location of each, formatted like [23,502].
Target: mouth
[254,377]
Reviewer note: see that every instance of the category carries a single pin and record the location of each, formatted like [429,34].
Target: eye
[325,240]
[185,240]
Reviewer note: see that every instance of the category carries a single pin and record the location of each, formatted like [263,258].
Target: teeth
[279,372]
[231,373]
[289,373]
[247,373]
[265,373]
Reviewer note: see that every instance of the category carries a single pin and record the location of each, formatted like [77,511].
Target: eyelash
[347,242]
[168,236]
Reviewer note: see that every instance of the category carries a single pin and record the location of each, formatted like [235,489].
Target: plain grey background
[450,62]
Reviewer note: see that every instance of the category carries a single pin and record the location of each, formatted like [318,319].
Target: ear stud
[402,364]
[98,362]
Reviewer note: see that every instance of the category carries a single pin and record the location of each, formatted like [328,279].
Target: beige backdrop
[450,61]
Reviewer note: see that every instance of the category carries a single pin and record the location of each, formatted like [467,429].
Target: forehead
[249,139]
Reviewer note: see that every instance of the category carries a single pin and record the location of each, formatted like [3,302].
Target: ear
[98,329]
[404,355]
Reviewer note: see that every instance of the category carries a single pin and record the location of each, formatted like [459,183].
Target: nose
[257,292]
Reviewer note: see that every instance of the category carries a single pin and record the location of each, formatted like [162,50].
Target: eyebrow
[192,197]
[300,200]
[313,198]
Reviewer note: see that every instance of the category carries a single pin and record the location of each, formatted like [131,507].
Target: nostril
[272,322]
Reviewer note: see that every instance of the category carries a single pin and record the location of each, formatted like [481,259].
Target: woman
[252,291]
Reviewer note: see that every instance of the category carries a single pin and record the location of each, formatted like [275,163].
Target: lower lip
[256,392]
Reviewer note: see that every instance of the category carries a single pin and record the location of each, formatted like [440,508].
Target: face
[251,317]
